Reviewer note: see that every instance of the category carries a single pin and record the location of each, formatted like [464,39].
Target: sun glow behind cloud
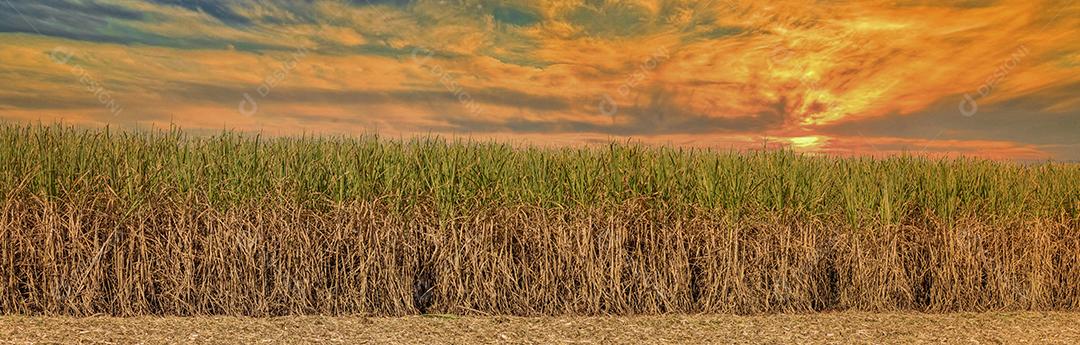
[844,77]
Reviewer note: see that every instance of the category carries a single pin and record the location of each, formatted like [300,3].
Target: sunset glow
[998,79]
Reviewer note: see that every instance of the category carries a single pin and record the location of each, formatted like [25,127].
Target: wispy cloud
[824,76]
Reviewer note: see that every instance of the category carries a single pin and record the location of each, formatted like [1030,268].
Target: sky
[994,79]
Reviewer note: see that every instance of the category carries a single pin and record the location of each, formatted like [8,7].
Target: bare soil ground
[823,328]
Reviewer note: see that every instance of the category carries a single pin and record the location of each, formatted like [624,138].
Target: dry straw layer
[136,223]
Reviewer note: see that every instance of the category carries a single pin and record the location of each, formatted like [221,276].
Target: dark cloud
[718,32]
[612,19]
[404,53]
[72,20]
[398,3]
[1024,119]
[436,98]
[49,8]
[507,13]
[110,23]
[660,115]
[953,3]
[33,103]
[220,9]
[516,49]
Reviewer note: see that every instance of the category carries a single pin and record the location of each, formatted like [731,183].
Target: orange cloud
[721,74]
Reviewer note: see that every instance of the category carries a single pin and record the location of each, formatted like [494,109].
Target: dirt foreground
[825,328]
